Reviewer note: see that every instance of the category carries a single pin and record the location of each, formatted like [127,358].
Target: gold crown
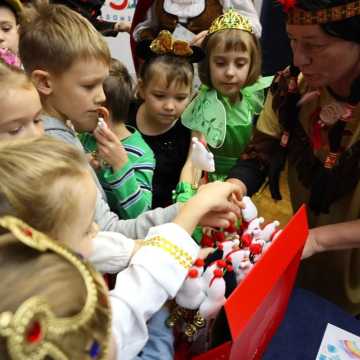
[34,332]
[231,20]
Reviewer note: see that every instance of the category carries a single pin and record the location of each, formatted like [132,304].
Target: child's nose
[230,70]
[100,96]
[169,105]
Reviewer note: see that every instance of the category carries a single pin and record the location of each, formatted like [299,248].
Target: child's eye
[89,87]
[182,98]
[16,131]
[6,28]
[159,96]
[37,121]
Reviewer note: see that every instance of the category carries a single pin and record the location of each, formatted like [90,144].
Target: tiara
[230,20]
[298,16]
[33,331]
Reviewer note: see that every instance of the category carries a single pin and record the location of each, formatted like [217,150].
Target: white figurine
[249,212]
[215,296]
[201,158]
[191,293]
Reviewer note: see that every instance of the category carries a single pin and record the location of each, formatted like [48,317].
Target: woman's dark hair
[118,89]
[348,29]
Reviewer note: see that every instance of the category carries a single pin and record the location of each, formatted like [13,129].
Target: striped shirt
[128,190]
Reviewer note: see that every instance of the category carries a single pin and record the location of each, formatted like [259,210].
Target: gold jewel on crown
[231,20]
[298,16]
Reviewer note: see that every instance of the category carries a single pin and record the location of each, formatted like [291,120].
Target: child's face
[229,71]
[79,231]
[78,93]
[20,113]
[9,37]
[164,104]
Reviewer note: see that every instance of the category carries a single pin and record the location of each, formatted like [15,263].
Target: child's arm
[189,173]
[112,251]
[155,274]
[129,182]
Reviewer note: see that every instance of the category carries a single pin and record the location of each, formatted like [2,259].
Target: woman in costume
[312,116]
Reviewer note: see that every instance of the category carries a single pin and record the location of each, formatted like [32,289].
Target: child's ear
[42,81]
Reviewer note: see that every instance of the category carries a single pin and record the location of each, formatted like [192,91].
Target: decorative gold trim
[181,256]
[14,327]
[298,16]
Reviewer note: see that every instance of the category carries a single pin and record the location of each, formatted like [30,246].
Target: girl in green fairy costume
[232,90]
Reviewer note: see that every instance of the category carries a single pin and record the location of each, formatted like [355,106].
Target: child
[232,92]
[9,13]
[67,299]
[19,103]
[64,210]
[127,177]
[68,61]
[165,86]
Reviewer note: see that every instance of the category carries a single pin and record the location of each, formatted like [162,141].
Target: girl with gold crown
[191,18]
[312,118]
[232,90]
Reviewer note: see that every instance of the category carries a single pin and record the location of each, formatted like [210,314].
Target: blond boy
[68,60]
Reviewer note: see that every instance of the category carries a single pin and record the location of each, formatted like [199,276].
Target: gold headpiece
[230,20]
[33,331]
[164,43]
[298,16]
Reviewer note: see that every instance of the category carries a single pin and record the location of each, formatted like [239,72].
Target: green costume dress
[227,127]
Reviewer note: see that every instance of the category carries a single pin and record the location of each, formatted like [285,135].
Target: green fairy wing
[207,114]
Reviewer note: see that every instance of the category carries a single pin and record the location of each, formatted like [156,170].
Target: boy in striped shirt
[127,163]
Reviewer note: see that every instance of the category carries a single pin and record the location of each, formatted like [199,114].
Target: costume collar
[184,8]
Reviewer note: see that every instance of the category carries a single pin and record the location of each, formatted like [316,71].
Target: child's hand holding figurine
[109,147]
[213,205]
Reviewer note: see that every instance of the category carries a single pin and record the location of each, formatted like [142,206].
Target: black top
[170,150]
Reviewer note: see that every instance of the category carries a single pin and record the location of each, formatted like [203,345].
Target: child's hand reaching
[109,146]
[213,205]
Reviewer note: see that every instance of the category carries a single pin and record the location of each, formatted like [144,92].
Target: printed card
[338,344]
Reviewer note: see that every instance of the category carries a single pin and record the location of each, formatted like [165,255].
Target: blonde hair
[12,77]
[53,37]
[26,273]
[39,180]
[237,40]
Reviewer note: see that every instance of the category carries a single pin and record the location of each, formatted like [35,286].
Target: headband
[165,44]
[298,16]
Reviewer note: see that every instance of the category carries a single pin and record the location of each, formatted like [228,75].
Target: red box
[257,306]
